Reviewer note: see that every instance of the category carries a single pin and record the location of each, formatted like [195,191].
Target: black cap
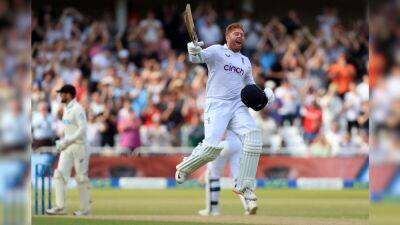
[67,89]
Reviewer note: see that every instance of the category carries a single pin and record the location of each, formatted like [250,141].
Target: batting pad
[199,157]
[60,190]
[84,192]
[252,147]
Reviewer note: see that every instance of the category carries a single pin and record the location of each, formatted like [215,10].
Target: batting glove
[61,145]
[194,49]
[270,95]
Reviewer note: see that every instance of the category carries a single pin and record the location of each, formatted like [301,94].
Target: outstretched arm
[199,55]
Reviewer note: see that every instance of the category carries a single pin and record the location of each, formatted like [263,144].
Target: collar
[226,46]
[70,104]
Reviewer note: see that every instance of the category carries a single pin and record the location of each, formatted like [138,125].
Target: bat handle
[199,43]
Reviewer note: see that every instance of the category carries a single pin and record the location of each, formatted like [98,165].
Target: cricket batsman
[73,153]
[230,89]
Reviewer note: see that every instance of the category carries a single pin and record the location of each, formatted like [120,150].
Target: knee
[58,176]
[82,179]
[234,144]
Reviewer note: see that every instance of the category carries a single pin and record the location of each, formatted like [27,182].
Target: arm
[81,121]
[248,79]
[199,55]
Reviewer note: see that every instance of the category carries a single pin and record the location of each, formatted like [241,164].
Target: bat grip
[199,43]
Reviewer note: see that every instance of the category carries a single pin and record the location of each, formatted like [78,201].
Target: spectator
[128,129]
[210,33]
[150,28]
[342,74]
[320,147]
[363,118]
[108,128]
[332,106]
[138,95]
[363,89]
[347,145]
[352,107]
[287,95]
[312,121]
[43,127]
[97,105]
[14,135]
[333,136]
[154,134]
[93,130]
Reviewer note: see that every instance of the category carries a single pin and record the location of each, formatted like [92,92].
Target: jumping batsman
[230,154]
[73,154]
[226,109]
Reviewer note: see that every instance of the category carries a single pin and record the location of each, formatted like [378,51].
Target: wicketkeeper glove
[194,49]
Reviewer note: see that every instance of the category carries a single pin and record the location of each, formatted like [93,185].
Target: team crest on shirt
[67,122]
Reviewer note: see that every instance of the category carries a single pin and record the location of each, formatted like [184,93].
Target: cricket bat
[187,17]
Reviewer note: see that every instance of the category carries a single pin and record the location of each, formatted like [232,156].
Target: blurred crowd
[139,89]
[384,70]
[14,78]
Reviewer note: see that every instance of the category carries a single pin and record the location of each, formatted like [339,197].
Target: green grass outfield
[180,206]
[385,213]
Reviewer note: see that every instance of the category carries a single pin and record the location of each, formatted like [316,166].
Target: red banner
[381,175]
[290,167]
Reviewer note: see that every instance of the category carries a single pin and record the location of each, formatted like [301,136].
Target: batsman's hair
[232,26]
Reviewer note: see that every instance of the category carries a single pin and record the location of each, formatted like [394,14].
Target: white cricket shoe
[56,211]
[206,212]
[180,177]
[251,208]
[82,213]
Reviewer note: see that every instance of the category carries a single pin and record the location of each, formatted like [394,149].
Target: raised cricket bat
[187,17]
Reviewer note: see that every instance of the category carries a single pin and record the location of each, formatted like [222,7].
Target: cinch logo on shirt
[234,68]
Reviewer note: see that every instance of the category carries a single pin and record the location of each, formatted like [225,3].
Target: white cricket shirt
[228,71]
[75,123]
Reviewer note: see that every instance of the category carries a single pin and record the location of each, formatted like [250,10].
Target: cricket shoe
[82,213]
[247,193]
[206,212]
[56,211]
[251,208]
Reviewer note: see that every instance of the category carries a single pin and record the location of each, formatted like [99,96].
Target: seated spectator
[320,147]
[347,145]
[333,137]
